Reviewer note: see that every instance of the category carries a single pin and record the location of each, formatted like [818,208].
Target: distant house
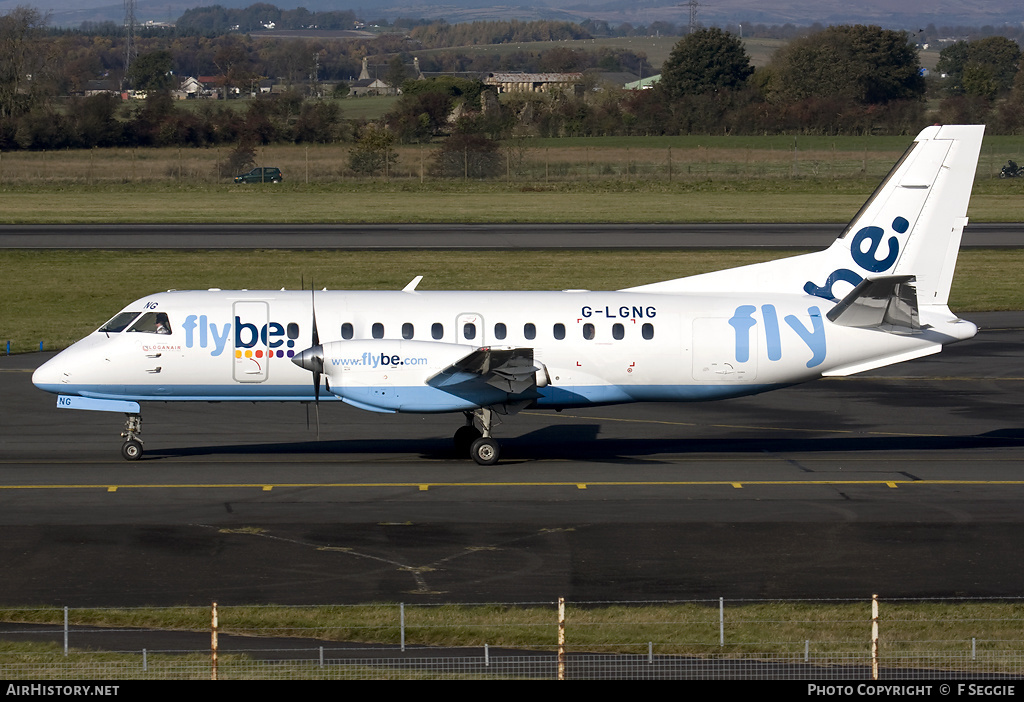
[371,79]
[190,88]
[535,82]
[373,86]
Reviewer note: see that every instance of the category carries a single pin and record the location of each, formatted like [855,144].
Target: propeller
[312,359]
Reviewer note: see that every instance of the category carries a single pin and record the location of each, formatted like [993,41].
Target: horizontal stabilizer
[888,303]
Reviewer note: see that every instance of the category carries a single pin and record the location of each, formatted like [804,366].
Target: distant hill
[901,14]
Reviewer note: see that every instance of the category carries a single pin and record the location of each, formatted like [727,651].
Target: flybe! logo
[864,249]
[201,332]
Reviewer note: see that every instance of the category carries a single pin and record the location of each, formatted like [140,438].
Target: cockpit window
[119,322]
[152,323]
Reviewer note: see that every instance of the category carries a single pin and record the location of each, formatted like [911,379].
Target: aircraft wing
[512,370]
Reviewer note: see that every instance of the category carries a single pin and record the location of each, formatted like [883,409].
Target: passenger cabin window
[437,330]
[347,332]
[499,330]
[648,331]
[407,330]
[588,331]
[618,331]
[529,330]
[559,330]
[118,322]
[292,330]
[152,323]
[377,330]
[469,330]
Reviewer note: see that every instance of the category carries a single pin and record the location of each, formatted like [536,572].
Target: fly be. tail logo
[864,250]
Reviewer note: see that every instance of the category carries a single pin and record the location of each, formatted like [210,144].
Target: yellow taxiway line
[579,485]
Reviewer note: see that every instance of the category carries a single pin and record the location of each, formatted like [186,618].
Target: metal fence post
[874,637]
[213,641]
[65,631]
[401,623]
[561,638]
[721,621]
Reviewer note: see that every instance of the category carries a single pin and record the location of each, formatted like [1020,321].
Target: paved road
[904,482]
[456,236]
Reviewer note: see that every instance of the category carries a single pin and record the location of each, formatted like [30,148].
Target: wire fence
[512,162]
[849,666]
[898,640]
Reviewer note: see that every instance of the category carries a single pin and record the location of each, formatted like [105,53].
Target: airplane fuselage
[591,348]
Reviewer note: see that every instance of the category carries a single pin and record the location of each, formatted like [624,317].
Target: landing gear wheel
[131,450]
[485,451]
[464,438]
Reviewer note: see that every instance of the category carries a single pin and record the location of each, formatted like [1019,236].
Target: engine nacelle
[390,375]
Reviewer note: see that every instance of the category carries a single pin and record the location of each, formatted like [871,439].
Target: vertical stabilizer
[910,226]
[930,252]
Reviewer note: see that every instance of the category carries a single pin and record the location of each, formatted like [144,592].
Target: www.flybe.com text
[374,360]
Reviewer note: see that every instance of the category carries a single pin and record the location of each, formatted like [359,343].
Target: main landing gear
[481,446]
[131,449]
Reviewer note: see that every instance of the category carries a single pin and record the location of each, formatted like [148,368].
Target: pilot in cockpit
[163,325]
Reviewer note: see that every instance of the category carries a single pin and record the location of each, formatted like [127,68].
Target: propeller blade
[316,345]
[312,359]
[316,332]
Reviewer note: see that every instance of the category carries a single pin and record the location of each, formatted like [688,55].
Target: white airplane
[878,295]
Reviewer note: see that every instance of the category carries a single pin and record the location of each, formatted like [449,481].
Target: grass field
[635,179]
[409,202]
[57,297]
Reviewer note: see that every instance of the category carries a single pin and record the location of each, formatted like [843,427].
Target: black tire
[485,451]
[131,450]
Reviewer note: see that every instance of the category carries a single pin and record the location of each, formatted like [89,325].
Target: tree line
[838,80]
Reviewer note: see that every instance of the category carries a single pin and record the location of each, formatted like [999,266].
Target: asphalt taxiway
[907,481]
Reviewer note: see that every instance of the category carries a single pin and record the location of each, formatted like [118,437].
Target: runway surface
[906,482]
[455,236]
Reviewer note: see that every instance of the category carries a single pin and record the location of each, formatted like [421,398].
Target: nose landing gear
[131,449]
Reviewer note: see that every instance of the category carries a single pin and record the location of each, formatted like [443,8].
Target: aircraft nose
[50,376]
